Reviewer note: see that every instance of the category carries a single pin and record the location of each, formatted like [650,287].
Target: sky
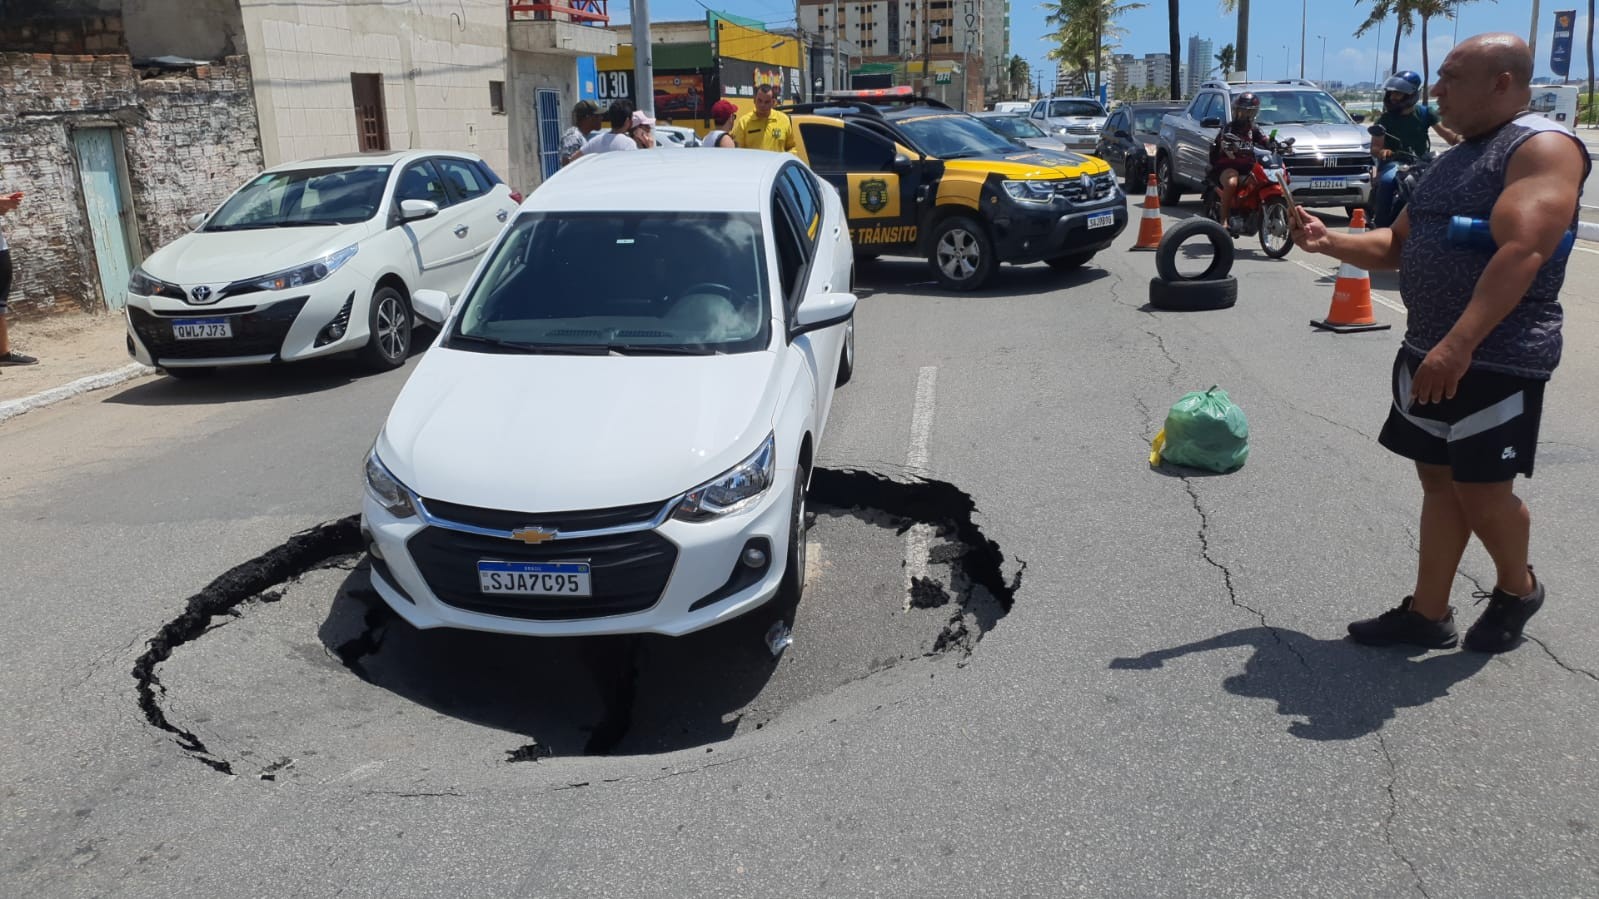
[1274,32]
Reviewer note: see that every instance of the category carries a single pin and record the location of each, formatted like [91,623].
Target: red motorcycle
[1262,204]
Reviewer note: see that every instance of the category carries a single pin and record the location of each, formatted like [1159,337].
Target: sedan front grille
[1301,167]
[256,333]
[565,522]
[628,572]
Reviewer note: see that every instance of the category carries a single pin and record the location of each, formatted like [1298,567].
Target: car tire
[963,246]
[846,357]
[1193,296]
[191,374]
[389,323]
[1220,242]
[1069,262]
[1170,192]
[792,586]
[1134,179]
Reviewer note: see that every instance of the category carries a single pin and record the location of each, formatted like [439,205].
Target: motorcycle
[1411,170]
[1263,204]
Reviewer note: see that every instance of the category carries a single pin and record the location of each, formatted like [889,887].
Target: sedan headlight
[1036,192]
[310,273]
[734,489]
[387,489]
[142,284]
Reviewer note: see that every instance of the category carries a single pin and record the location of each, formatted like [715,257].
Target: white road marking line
[1375,297]
[1586,250]
[919,538]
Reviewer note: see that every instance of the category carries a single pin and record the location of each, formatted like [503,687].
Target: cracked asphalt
[1168,708]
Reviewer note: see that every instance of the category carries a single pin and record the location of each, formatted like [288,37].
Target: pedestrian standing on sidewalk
[765,128]
[642,130]
[8,356]
[722,115]
[585,121]
[620,116]
[1482,335]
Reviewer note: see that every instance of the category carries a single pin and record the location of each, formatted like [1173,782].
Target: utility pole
[1242,51]
[927,49]
[1303,4]
[1532,32]
[838,33]
[643,66]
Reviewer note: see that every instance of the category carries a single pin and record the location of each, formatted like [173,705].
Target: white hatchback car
[615,429]
[315,258]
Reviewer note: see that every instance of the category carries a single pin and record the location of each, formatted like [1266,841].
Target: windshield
[954,136]
[340,195]
[635,283]
[1014,126]
[1300,108]
[1149,119]
[1060,108]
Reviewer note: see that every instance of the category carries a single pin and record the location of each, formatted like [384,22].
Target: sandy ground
[68,347]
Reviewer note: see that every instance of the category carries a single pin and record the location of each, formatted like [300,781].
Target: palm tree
[1019,76]
[1428,9]
[1173,32]
[1084,31]
[1225,61]
[1590,62]
[1242,8]
[1403,12]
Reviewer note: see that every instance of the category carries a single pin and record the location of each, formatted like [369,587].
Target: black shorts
[1486,434]
[5,279]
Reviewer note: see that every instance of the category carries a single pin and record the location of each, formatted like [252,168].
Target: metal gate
[101,174]
[549,103]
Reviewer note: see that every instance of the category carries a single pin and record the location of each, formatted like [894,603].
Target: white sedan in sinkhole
[615,429]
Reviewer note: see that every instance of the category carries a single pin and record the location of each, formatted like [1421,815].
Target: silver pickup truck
[1331,160]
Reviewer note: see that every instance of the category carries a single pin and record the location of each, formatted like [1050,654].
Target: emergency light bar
[903,90]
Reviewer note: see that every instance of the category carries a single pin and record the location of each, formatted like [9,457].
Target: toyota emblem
[201,294]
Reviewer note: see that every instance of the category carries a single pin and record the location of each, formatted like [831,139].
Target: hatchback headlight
[142,284]
[732,490]
[310,273]
[1038,192]
[387,489]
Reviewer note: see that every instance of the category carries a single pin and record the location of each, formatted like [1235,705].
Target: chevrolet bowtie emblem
[533,535]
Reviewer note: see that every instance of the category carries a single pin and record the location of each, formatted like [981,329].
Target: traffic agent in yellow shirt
[765,128]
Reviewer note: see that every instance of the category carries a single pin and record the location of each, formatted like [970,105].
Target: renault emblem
[201,294]
[1088,185]
[533,536]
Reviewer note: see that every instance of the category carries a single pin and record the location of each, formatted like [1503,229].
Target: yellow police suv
[921,179]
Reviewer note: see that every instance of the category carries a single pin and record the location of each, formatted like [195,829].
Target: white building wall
[436,57]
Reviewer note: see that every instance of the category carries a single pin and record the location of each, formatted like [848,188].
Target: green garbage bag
[1205,430]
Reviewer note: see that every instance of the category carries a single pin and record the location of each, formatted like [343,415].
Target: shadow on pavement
[568,696]
[911,277]
[1335,689]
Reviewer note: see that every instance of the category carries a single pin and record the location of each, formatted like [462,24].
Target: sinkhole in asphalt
[254,676]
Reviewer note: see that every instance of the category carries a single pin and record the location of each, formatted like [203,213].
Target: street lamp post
[1323,39]
[1302,11]
[1286,61]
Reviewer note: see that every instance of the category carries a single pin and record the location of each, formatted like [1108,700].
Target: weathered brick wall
[190,137]
[88,34]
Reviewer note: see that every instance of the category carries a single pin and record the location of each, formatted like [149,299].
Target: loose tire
[961,254]
[1276,238]
[793,583]
[389,322]
[1069,262]
[1220,242]
[1191,296]
[1170,192]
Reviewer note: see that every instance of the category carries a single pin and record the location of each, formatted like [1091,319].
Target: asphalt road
[1167,709]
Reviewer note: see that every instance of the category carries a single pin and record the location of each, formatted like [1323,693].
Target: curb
[12,408]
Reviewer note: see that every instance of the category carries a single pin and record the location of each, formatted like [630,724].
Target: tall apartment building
[1131,73]
[961,42]
[1201,60]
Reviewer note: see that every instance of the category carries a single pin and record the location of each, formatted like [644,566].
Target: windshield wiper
[513,346]
[656,349]
[253,226]
[308,223]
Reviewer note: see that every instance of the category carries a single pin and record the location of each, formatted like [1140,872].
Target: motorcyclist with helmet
[1232,155]
[1405,123]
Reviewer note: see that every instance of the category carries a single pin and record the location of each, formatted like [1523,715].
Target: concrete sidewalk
[77,352]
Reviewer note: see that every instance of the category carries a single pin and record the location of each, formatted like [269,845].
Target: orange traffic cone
[1149,230]
[1351,302]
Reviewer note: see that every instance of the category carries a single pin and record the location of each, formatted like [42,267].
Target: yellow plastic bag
[1156,447]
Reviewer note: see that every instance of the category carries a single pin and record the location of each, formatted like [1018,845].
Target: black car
[1129,137]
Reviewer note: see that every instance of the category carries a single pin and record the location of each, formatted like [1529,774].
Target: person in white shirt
[620,115]
[722,114]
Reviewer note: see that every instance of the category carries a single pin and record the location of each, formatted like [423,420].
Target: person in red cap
[722,114]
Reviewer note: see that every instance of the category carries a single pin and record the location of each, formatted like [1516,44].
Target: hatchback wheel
[846,361]
[389,321]
[962,255]
[794,573]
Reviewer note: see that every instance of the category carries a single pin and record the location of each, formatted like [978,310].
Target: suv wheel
[1170,193]
[962,256]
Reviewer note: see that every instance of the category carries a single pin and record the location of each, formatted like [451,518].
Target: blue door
[549,132]
[102,199]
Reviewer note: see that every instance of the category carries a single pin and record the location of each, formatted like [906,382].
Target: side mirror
[198,219]
[901,162]
[433,305]
[1360,117]
[1122,133]
[414,210]
[823,311]
[1212,122]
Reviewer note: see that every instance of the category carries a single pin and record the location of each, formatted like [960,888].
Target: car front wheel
[793,584]
[389,323]
[846,359]
[962,256]
[1170,193]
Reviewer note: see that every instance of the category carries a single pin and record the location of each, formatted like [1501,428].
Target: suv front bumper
[1356,191]
[1023,235]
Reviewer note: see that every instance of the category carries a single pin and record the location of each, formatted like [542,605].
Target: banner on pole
[1560,48]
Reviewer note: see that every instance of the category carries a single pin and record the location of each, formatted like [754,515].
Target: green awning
[876,68]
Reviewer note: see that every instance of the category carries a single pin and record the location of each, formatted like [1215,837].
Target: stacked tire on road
[1213,288]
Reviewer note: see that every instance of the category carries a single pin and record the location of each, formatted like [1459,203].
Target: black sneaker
[16,358]
[1401,625]
[1499,628]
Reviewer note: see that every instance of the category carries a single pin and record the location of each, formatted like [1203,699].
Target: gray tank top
[1436,278]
